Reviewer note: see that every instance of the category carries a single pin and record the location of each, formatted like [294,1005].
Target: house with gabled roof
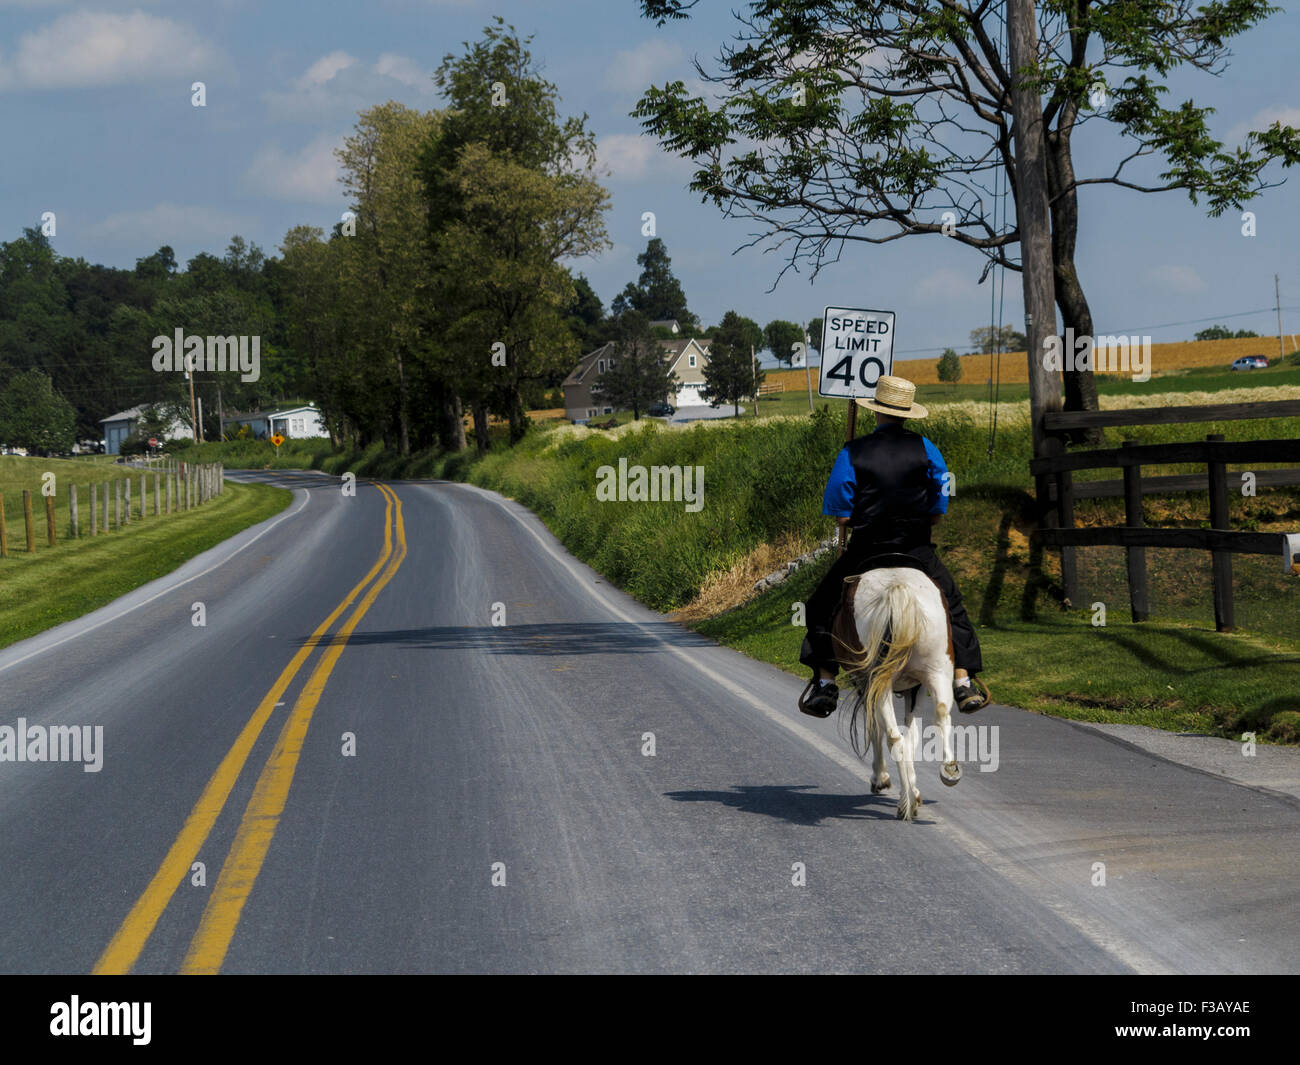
[686,358]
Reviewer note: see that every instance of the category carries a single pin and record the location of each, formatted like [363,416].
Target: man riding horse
[889,486]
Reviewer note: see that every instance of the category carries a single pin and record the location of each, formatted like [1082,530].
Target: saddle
[844,632]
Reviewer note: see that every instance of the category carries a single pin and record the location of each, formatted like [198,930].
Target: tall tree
[657,293]
[732,372]
[500,268]
[815,335]
[987,339]
[638,374]
[877,121]
[502,138]
[781,337]
[388,259]
[950,368]
[34,416]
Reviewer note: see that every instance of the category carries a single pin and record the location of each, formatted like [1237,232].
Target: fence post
[29,526]
[144,496]
[1065,519]
[94,511]
[157,493]
[117,504]
[103,525]
[126,490]
[1139,603]
[171,490]
[74,526]
[49,521]
[4,532]
[1221,561]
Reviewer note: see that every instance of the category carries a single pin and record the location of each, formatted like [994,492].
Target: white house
[295,423]
[117,427]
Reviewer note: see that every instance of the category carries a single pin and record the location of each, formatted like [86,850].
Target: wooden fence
[1214,452]
[187,485]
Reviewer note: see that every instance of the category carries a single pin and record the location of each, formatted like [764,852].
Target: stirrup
[983,688]
[803,702]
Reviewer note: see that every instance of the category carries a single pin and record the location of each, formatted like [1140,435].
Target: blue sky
[95,111]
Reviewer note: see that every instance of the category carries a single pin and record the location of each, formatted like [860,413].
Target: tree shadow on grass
[1200,642]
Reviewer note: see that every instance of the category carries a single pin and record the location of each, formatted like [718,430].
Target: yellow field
[1014,369]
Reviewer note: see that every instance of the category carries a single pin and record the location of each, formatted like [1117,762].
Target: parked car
[662,410]
[1251,362]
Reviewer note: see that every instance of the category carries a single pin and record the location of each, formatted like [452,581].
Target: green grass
[1174,672]
[55,585]
[17,473]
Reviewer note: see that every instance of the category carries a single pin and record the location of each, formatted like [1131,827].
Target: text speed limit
[857,350]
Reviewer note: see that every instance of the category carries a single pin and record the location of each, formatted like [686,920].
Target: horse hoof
[876,789]
[950,774]
[904,813]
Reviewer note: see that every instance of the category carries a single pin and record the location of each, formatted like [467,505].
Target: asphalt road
[442,793]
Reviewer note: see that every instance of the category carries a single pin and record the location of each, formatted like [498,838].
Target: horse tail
[893,624]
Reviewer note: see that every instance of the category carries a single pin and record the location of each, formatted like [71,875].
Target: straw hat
[895,396]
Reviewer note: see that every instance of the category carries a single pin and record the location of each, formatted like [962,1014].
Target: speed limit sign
[857,350]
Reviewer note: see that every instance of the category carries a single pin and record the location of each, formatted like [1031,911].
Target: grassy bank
[49,587]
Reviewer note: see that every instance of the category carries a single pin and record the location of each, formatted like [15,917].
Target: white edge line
[157,595]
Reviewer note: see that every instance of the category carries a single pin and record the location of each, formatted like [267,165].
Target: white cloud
[170,223]
[632,157]
[1181,279]
[308,176]
[89,48]
[324,69]
[338,85]
[635,70]
[400,68]
[1288,116]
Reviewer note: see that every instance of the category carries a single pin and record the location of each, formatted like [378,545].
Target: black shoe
[972,696]
[822,701]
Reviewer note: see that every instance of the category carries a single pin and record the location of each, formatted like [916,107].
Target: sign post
[857,351]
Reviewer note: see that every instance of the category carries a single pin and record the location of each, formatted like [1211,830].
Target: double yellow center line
[262,814]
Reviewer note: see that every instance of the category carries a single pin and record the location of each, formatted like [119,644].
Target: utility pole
[1033,222]
[200,437]
[1277,293]
[194,420]
[807,367]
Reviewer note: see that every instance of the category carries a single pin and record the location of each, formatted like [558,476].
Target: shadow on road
[793,803]
[578,638]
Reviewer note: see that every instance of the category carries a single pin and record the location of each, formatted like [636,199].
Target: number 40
[843,371]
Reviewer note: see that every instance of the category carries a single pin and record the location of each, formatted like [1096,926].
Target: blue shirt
[838,498]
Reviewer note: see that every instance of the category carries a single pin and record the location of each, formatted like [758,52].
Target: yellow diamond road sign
[277,439]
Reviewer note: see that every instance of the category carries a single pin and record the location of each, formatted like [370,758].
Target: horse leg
[940,684]
[900,749]
[879,777]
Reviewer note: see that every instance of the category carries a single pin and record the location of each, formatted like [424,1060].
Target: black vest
[892,500]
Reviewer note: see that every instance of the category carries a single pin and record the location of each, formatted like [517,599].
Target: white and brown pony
[892,634]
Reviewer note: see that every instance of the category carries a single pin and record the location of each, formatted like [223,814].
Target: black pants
[818,651]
